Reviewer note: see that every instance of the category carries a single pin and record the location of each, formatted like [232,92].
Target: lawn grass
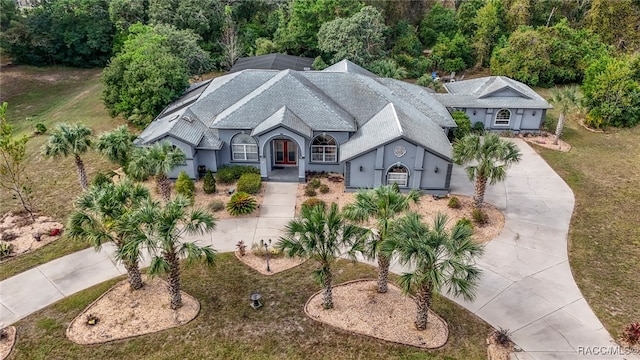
[603,170]
[52,95]
[227,328]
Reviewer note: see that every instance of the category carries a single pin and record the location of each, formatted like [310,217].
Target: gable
[505,92]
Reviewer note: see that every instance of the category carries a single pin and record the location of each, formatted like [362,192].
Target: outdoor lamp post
[266,252]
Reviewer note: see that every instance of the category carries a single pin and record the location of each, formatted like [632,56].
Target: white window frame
[324,155]
[502,121]
[399,176]
[244,151]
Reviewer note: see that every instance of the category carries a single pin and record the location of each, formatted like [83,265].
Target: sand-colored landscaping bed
[19,230]
[428,207]
[276,264]
[124,313]
[360,309]
[546,141]
[7,342]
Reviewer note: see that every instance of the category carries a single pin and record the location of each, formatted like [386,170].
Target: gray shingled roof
[485,93]
[283,117]
[182,125]
[273,62]
[346,66]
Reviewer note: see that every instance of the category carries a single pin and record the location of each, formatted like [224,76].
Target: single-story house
[498,102]
[342,119]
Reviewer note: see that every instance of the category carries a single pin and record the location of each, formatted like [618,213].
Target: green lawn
[227,328]
[603,170]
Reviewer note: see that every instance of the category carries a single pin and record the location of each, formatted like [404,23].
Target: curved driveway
[526,287]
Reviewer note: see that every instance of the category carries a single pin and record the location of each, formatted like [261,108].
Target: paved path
[527,285]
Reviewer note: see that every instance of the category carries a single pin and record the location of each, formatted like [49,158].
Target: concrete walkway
[526,287]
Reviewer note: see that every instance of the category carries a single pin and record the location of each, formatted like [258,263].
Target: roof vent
[174,117]
[187,119]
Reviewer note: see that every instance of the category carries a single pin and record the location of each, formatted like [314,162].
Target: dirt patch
[360,309]
[496,350]
[276,264]
[23,233]
[546,141]
[7,342]
[123,313]
[428,207]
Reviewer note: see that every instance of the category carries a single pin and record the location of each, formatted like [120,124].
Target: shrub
[454,203]
[209,183]
[309,190]
[40,128]
[242,248]
[250,183]
[324,188]
[503,336]
[478,128]
[314,183]
[185,186]
[102,178]
[479,216]
[466,222]
[241,203]
[463,124]
[92,320]
[216,205]
[631,333]
[5,249]
[55,232]
[311,202]
[257,249]
[228,174]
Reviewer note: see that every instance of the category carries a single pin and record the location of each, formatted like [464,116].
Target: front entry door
[286,152]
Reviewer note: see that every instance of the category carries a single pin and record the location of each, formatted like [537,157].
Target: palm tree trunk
[559,129]
[383,273]
[164,186]
[327,296]
[480,187]
[174,280]
[133,275]
[423,304]
[81,173]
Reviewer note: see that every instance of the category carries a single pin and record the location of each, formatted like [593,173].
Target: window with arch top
[244,148]
[398,174]
[503,117]
[324,148]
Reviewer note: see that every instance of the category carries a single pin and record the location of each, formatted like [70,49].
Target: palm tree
[116,145]
[156,160]
[438,258]
[68,140]
[381,205]
[104,214]
[485,155]
[322,235]
[565,99]
[164,225]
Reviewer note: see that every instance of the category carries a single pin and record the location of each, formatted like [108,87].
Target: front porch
[284,174]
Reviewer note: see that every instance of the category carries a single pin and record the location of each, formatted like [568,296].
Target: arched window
[398,174]
[324,148]
[503,117]
[244,148]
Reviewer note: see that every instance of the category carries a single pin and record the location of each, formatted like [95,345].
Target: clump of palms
[489,158]
[156,160]
[104,214]
[565,99]
[322,235]
[116,145]
[380,205]
[440,259]
[164,227]
[68,140]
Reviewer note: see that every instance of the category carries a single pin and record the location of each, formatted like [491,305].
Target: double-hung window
[244,148]
[324,148]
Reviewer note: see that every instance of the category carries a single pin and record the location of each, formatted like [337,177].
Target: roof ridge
[395,116]
[313,90]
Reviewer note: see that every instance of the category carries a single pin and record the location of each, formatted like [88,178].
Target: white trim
[508,120]
[406,175]
[244,152]
[325,156]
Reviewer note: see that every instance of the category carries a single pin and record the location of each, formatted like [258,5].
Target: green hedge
[250,183]
[228,174]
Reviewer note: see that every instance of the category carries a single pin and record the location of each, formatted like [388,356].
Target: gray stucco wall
[207,158]
[190,165]
[341,137]
[521,119]
[430,178]
[266,150]
[224,154]
[362,179]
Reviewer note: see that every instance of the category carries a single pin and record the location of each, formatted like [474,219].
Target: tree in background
[13,176]
[388,68]
[518,14]
[324,236]
[616,22]
[229,42]
[466,17]
[300,24]
[67,140]
[104,214]
[359,38]
[611,90]
[184,44]
[116,145]
[438,21]
[489,22]
[164,229]
[453,54]
[142,79]
[439,259]
[490,156]
[157,160]
[8,13]
[565,99]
